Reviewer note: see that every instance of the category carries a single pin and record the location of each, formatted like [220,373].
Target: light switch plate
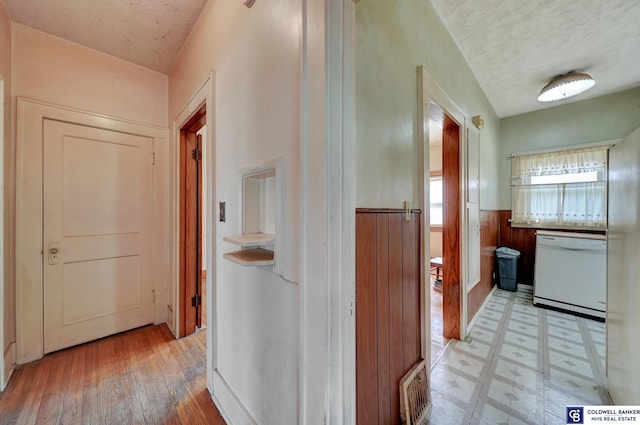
[223,212]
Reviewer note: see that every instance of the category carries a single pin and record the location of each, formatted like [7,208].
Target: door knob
[54,253]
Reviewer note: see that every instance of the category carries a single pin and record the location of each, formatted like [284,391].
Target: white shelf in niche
[251,257]
[262,216]
[248,240]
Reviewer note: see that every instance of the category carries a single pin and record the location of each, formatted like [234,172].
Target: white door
[473,208]
[97,233]
[623,271]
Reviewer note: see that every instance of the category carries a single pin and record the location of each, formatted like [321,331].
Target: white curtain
[561,203]
[561,162]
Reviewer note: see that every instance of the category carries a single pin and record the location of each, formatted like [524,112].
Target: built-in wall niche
[261,237]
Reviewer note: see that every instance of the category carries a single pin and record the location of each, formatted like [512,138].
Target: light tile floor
[522,365]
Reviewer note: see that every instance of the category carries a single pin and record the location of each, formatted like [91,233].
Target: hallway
[143,376]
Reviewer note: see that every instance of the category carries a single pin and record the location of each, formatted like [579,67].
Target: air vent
[415,401]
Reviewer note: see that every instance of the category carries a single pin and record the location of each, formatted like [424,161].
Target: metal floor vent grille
[415,401]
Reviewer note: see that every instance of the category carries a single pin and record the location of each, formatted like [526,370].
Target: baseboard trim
[170,321]
[9,365]
[228,403]
[484,304]
[216,402]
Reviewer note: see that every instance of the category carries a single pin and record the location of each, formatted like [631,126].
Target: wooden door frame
[190,244]
[29,210]
[429,89]
[203,96]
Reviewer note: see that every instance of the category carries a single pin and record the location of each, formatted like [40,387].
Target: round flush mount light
[565,86]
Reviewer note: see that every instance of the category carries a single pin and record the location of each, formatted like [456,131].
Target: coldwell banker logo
[575,415]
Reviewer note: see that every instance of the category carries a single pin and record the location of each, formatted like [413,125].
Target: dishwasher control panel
[589,244]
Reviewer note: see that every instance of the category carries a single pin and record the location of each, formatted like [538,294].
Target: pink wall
[54,70]
[8,231]
[63,73]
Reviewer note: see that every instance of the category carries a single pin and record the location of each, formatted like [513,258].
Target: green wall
[594,120]
[393,37]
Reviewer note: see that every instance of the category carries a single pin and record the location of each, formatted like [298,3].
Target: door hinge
[153,296]
[196,300]
[196,154]
[153,158]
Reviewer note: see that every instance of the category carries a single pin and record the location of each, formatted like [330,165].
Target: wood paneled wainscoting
[489,237]
[388,332]
[523,240]
[496,231]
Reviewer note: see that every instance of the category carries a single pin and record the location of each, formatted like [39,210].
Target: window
[560,189]
[435,200]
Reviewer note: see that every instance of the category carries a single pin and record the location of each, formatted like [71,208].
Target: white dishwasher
[571,272]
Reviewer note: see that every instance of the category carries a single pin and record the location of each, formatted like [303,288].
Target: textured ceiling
[147,32]
[515,47]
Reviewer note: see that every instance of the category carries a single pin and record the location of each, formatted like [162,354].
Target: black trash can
[507,268]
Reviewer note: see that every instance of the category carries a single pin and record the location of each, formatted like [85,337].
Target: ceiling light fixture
[566,85]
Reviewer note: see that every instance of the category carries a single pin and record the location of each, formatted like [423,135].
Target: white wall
[435,164]
[593,120]
[393,37]
[7,288]
[435,157]
[623,272]
[255,54]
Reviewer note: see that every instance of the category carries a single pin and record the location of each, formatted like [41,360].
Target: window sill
[585,229]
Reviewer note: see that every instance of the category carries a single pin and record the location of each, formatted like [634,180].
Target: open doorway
[192,276]
[444,228]
[436,120]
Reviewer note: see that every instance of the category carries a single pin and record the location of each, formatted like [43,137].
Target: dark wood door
[191,225]
[388,331]
[452,206]
[196,234]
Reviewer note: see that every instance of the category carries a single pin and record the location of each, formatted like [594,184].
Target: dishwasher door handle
[567,248]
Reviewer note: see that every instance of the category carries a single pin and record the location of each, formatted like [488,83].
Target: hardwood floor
[438,341]
[143,376]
